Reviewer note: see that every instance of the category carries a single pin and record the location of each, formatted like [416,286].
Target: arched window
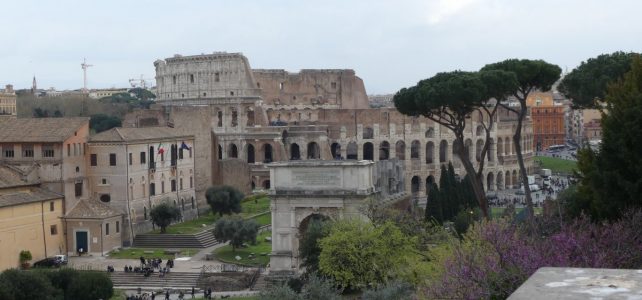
[352,151]
[105,198]
[400,150]
[313,151]
[414,149]
[335,149]
[233,152]
[368,151]
[295,152]
[478,149]
[384,150]
[414,185]
[220,152]
[250,153]
[267,153]
[430,133]
[430,150]
[443,151]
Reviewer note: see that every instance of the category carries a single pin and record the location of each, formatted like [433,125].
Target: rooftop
[131,134]
[91,209]
[26,195]
[39,129]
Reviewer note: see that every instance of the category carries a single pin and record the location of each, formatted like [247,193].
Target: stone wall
[234,172]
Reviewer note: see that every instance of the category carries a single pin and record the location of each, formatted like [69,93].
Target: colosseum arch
[429,181]
[368,151]
[479,131]
[469,151]
[414,149]
[313,151]
[295,152]
[507,182]
[443,151]
[335,150]
[384,150]
[430,152]
[233,151]
[500,180]
[478,149]
[490,182]
[250,154]
[400,149]
[352,152]
[266,149]
[414,185]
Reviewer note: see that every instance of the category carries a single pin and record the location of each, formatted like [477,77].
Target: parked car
[62,259]
[49,262]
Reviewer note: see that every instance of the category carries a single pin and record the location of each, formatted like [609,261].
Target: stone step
[202,239]
[170,280]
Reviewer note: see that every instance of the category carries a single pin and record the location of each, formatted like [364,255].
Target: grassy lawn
[557,165]
[264,219]
[249,208]
[135,253]
[225,253]
[496,212]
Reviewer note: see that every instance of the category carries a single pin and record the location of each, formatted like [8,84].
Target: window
[180,184]
[27,150]
[173,185]
[78,189]
[217,78]
[8,151]
[192,202]
[105,198]
[53,229]
[68,149]
[104,181]
[174,79]
[152,189]
[191,78]
[112,159]
[143,158]
[131,158]
[117,226]
[107,229]
[333,85]
[191,182]
[93,160]
[180,153]
[52,206]
[162,187]
[47,150]
[77,169]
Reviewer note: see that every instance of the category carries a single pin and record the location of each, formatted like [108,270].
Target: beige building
[586,125]
[93,227]
[50,151]
[128,171]
[30,219]
[8,102]
[101,93]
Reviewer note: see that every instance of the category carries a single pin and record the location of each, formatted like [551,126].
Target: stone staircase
[202,239]
[172,280]
[260,283]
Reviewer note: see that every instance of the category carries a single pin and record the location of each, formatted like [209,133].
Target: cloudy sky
[390,44]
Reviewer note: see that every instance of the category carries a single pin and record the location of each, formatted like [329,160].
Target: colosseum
[264,115]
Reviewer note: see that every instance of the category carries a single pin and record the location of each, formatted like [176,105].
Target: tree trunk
[517,138]
[478,187]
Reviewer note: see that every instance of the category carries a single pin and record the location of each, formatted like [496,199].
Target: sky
[389,44]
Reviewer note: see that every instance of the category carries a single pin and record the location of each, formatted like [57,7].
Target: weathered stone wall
[234,172]
[311,88]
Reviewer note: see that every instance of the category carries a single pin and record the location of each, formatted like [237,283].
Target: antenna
[84,66]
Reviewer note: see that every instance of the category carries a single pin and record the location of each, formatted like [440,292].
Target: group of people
[181,295]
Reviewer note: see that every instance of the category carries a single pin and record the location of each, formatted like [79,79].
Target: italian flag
[161,150]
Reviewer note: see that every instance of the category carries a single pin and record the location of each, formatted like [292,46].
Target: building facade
[8,102]
[586,125]
[133,169]
[30,219]
[548,120]
[261,116]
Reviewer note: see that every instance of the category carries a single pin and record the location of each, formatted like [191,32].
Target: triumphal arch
[336,189]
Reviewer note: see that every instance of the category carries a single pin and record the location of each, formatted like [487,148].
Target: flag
[184,146]
[161,150]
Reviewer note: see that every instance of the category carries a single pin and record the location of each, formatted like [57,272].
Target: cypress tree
[434,205]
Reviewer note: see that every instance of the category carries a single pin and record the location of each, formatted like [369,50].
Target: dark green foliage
[279,292]
[452,196]
[224,199]
[102,122]
[164,214]
[236,230]
[26,285]
[62,279]
[588,82]
[391,291]
[142,94]
[90,286]
[531,74]
[611,179]
[309,248]
[320,288]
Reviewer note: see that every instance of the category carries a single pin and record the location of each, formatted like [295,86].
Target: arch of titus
[328,189]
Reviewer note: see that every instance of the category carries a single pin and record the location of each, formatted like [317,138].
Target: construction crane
[141,82]
[84,66]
